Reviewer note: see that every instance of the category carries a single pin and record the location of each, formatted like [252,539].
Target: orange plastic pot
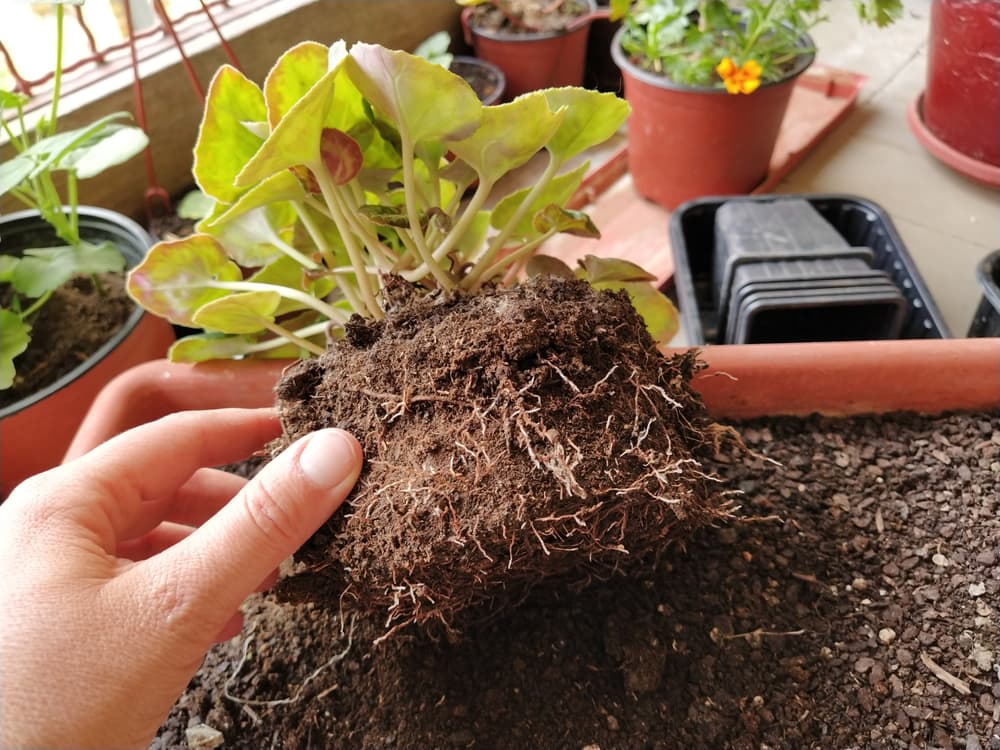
[36,431]
[833,378]
[533,61]
[685,142]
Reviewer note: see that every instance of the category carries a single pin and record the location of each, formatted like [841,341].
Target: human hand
[119,569]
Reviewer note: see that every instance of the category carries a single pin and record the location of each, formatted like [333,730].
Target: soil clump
[511,437]
[854,606]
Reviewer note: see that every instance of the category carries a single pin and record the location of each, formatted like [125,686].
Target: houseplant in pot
[486,79]
[536,43]
[65,332]
[709,84]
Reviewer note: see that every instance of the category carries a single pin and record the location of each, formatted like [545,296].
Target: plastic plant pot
[532,61]
[986,321]
[37,430]
[685,141]
[486,79]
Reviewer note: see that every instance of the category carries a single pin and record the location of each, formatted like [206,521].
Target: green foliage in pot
[349,166]
[28,281]
[718,44]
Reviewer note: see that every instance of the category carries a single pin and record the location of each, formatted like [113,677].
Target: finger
[197,500]
[268,582]
[231,629]
[211,572]
[149,463]
[163,537]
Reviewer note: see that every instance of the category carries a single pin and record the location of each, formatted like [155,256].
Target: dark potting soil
[483,80]
[854,605]
[75,322]
[527,16]
[511,437]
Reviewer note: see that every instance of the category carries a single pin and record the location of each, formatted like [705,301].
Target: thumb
[215,568]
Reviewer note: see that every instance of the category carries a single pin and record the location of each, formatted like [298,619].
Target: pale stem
[472,280]
[382,255]
[306,332]
[293,253]
[314,233]
[308,300]
[350,292]
[521,253]
[57,73]
[294,338]
[353,251]
[413,213]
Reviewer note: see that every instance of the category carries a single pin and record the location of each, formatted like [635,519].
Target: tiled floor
[947,222]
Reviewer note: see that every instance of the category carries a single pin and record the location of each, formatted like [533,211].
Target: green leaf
[435,48]
[546,265]
[195,205]
[43,269]
[657,311]
[224,145]
[386,216]
[13,99]
[296,138]
[203,347]
[591,118]
[555,218]
[291,77]
[176,278]
[14,172]
[15,335]
[285,272]
[252,239]
[558,191]
[598,270]
[618,9]
[117,148]
[280,187]
[245,312]
[428,101]
[7,265]
[508,135]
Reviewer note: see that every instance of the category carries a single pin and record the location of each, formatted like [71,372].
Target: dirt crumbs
[527,16]
[75,322]
[511,437]
[855,607]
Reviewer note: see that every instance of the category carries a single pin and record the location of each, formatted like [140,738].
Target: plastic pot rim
[532,36]
[132,258]
[980,171]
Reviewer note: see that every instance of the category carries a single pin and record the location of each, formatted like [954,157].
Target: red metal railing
[165,33]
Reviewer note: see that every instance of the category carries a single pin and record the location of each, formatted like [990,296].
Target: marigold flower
[739,80]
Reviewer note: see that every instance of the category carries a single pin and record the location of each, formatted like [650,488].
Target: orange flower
[742,80]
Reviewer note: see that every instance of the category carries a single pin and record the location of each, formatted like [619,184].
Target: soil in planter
[527,16]
[482,79]
[856,606]
[511,438]
[75,322]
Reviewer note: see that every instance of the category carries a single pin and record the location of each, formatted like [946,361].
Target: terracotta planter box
[833,378]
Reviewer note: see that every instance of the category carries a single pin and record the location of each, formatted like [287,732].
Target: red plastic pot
[961,104]
[685,142]
[533,61]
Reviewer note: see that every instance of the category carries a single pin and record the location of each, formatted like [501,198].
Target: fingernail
[328,458]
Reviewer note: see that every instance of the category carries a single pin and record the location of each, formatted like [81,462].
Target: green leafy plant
[349,167]
[736,46]
[28,282]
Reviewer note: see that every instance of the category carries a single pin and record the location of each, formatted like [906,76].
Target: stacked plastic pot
[755,269]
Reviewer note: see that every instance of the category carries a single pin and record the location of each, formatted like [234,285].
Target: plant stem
[327,187]
[293,294]
[522,252]
[57,74]
[303,333]
[37,304]
[280,330]
[314,233]
[412,211]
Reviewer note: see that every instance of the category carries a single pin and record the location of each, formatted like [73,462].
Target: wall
[173,109]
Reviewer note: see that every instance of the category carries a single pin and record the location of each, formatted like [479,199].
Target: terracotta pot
[534,61]
[962,100]
[834,378]
[685,141]
[37,430]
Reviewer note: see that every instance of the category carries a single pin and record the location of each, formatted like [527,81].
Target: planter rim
[498,74]
[980,171]
[803,61]
[102,216]
[535,36]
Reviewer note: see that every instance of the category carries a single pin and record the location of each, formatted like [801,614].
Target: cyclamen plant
[348,167]
[29,281]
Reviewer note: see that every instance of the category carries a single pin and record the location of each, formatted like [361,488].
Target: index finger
[108,486]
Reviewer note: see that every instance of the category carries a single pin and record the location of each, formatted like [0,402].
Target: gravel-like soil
[854,606]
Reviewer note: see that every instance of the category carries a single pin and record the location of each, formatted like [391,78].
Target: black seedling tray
[859,221]
[986,321]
